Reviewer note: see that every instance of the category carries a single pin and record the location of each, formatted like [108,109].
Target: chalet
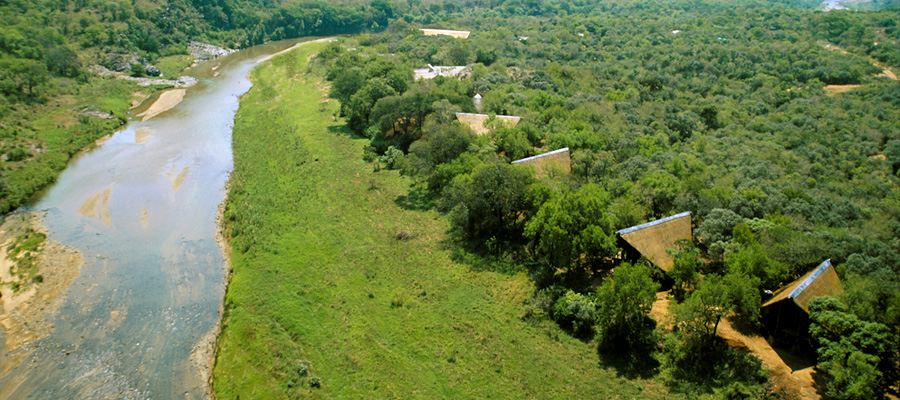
[653,238]
[786,314]
[546,162]
[476,121]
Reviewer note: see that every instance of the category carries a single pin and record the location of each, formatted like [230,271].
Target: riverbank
[28,296]
[327,300]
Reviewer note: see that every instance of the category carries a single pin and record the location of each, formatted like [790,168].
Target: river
[141,208]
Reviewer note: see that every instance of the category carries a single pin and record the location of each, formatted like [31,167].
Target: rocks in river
[205,51]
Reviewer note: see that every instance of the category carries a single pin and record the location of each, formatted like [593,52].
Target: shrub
[576,312]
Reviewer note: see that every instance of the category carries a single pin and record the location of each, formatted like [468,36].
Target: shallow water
[141,207]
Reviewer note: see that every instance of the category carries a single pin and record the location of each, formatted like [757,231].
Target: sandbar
[25,314]
[142,135]
[97,206]
[166,101]
[271,56]
[178,179]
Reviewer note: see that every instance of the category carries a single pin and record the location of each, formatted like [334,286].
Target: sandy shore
[271,56]
[25,314]
[166,101]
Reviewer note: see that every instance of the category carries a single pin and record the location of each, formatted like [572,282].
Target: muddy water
[141,208]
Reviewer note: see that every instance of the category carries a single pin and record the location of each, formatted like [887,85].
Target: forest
[775,126]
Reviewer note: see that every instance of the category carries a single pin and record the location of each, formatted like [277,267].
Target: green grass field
[52,132]
[323,291]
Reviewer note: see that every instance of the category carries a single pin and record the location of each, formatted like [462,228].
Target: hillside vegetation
[738,113]
[340,292]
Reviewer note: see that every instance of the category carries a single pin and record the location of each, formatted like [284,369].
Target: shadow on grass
[343,130]
[480,258]
[419,199]
[631,365]
[702,366]
[631,351]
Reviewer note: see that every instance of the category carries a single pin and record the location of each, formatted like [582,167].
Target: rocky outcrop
[121,62]
[91,111]
[205,51]
[181,82]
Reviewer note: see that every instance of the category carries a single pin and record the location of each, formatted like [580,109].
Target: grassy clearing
[45,136]
[171,66]
[324,292]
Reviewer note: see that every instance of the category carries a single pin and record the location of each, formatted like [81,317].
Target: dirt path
[885,71]
[797,382]
[660,310]
[269,57]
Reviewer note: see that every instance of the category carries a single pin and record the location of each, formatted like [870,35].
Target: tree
[699,316]
[623,306]
[852,352]
[63,61]
[751,260]
[659,189]
[138,70]
[718,225]
[19,77]
[360,105]
[573,231]
[440,143]
[398,118]
[345,84]
[685,269]
[494,201]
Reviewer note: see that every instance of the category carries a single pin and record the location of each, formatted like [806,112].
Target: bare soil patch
[832,90]
[791,373]
[25,314]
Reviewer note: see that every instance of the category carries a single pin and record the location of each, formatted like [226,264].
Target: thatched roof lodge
[653,238]
[446,32]
[476,121]
[544,163]
[786,314]
[435,71]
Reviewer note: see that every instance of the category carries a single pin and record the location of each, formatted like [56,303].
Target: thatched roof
[446,32]
[822,281]
[542,163]
[476,121]
[653,238]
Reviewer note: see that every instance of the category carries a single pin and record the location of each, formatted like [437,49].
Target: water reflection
[141,208]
